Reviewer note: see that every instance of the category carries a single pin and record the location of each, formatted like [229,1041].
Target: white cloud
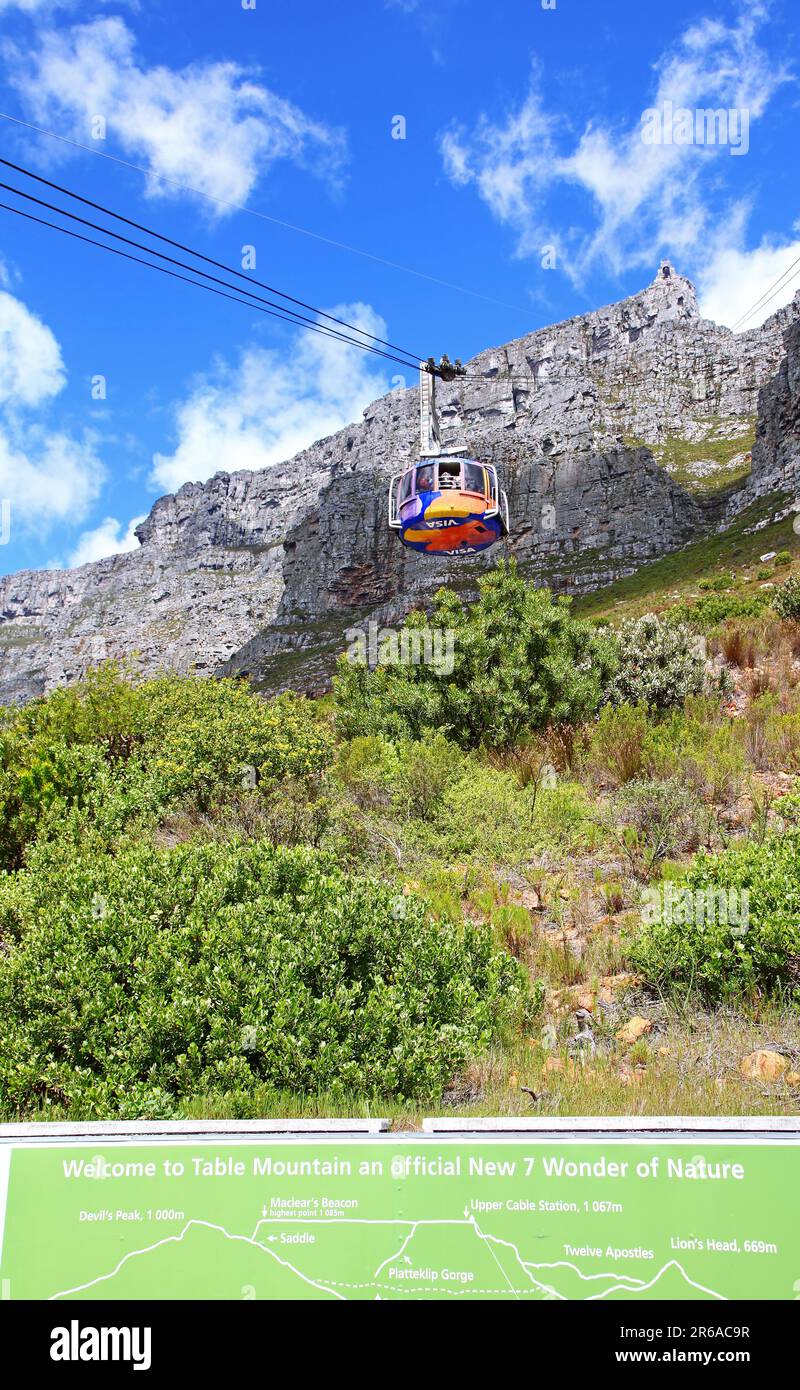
[111,537]
[735,279]
[644,198]
[45,474]
[29,6]
[508,164]
[209,125]
[272,404]
[30,358]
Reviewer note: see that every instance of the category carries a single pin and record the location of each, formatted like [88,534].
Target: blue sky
[523,181]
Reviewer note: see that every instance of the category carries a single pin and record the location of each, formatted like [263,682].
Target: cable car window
[473,478]
[449,475]
[405,485]
[425,478]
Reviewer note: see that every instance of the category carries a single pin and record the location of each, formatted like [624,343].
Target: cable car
[445,504]
[448,506]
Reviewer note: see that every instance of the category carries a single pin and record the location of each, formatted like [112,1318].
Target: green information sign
[402,1217]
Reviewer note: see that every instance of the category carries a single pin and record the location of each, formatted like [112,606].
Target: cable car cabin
[448,506]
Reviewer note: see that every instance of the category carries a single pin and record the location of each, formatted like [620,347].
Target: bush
[484,813]
[700,747]
[718,584]
[426,771]
[717,608]
[519,663]
[91,759]
[367,767]
[661,817]
[659,664]
[758,953]
[208,738]
[614,748]
[786,601]
[132,983]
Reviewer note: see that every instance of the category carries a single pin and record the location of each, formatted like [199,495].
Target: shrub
[520,662]
[140,980]
[426,770]
[564,819]
[786,600]
[701,748]
[738,644]
[758,953]
[484,813]
[783,557]
[718,584]
[92,758]
[659,664]
[706,612]
[367,767]
[662,817]
[208,738]
[615,747]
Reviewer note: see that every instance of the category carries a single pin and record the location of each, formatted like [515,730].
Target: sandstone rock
[763,1065]
[634,1029]
[776,452]
[611,984]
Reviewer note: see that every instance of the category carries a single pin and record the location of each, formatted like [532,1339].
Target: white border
[557,1129]
[616,1124]
[179,1129]
[5,1164]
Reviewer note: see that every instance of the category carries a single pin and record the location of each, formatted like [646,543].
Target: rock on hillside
[263,571]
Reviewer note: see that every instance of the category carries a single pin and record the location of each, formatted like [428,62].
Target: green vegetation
[727,953]
[659,664]
[394,900]
[676,577]
[134,981]
[787,600]
[708,465]
[512,662]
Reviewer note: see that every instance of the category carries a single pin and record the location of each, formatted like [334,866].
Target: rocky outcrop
[776,451]
[263,572]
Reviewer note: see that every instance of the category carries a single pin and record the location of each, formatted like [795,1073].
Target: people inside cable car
[449,475]
[449,506]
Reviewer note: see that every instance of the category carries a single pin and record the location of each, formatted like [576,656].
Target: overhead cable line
[199,255]
[767,296]
[199,284]
[254,212]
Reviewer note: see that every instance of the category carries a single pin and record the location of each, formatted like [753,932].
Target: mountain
[621,434]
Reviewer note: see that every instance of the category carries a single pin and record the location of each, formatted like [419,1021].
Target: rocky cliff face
[263,572]
[776,451]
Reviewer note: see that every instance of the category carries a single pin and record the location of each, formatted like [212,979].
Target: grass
[675,577]
[682,459]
